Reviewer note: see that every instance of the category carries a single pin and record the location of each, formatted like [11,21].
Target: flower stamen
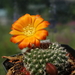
[29,30]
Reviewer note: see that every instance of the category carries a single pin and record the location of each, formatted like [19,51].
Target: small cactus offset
[35,61]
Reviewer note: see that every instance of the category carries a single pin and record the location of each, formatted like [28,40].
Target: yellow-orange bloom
[28,30]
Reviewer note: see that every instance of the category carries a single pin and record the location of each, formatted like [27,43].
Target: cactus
[35,60]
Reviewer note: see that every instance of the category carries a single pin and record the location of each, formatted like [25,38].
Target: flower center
[29,30]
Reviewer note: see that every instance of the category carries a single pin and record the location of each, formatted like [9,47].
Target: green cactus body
[35,60]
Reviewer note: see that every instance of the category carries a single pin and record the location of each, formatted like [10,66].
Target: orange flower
[28,30]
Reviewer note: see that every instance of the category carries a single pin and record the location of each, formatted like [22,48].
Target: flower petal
[31,41]
[38,21]
[41,34]
[25,20]
[34,18]
[15,32]
[37,43]
[17,26]
[34,42]
[16,39]
[42,25]
[24,43]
